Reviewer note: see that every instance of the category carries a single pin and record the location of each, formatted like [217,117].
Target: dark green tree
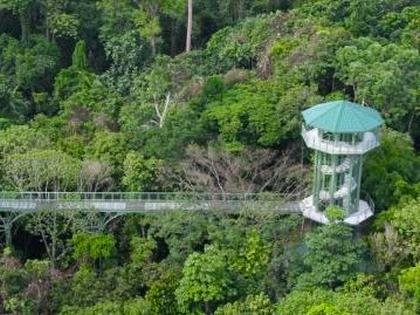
[332,256]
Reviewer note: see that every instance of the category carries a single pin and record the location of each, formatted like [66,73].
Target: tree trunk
[173,38]
[207,308]
[153,45]
[189,26]
[8,234]
[25,26]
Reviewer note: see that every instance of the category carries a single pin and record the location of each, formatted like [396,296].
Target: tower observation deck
[340,132]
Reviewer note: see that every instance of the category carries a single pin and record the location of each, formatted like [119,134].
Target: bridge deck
[126,202]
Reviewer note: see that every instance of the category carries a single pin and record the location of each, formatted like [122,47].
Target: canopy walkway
[15,205]
[134,202]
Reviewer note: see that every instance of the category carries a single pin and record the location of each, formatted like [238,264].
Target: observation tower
[340,132]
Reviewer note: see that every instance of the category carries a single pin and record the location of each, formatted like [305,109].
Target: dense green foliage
[99,95]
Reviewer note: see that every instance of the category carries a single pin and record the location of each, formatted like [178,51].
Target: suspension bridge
[140,202]
[15,205]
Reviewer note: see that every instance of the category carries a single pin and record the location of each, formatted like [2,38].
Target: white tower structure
[341,133]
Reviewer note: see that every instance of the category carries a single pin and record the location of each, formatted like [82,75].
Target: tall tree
[21,8]
[206,281]
[79,57]
[53,227]
[332,253]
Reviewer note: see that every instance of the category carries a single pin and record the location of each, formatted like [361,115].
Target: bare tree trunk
[173,38]
[8,234]
[25,25]
[153,45]
[162,114]
[189,26]
[410,122]
[207,308]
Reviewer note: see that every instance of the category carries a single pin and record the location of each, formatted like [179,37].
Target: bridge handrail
[135,196]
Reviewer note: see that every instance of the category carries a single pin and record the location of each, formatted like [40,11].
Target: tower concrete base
[308,210]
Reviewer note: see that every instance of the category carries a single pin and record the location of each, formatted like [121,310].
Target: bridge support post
[6,225]
[8,233]
[100,220]
[108,218]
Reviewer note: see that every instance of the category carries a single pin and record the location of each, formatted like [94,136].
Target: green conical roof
[342,117]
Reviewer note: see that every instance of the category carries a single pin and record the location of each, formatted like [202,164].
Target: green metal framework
[328,185]
[338,166]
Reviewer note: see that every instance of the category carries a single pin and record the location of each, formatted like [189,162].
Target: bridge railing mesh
[137,196]
[127,202]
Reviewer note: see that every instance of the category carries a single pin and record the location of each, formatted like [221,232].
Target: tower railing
[314,140]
